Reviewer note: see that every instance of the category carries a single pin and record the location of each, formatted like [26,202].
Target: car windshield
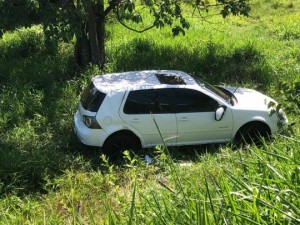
[213,89]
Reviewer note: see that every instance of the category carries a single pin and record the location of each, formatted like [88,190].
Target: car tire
[116,144]
[252,133]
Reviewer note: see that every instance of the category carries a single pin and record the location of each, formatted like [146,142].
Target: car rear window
[92,98]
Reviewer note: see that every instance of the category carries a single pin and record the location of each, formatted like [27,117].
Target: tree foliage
[86,19]
[16,13]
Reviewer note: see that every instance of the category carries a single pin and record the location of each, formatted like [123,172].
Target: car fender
[242,117]
[253,119]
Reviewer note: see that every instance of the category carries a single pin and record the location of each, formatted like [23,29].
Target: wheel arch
[127,132]
[257,123]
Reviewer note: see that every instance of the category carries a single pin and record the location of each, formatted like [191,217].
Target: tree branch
[112,5]
[130,28]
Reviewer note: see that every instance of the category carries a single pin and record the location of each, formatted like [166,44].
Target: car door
[149,113]
[195,114]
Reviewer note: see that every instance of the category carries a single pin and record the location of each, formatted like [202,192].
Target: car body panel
[242,117]
[201,127]
[155,129]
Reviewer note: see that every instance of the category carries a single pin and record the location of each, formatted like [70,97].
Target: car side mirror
[220,111]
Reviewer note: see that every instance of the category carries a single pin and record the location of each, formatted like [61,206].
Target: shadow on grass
[178,154]
[38,100]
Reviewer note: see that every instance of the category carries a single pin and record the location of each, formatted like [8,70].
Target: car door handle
[224,127]
[135,120]
[183,119]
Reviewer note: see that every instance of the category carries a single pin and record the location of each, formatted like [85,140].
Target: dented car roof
[141,80]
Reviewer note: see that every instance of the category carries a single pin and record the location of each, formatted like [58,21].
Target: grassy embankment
[47,177]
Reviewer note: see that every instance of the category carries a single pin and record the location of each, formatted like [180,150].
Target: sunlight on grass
[48,177]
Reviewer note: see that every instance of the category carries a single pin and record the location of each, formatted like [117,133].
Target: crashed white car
[139,109]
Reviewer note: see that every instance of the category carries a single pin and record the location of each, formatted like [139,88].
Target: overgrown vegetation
[47,176]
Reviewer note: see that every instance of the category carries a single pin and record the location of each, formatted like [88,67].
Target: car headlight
[282,117]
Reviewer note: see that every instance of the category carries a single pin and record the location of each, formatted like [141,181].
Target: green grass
[48,177]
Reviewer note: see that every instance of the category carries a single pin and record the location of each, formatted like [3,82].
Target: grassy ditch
[48,177]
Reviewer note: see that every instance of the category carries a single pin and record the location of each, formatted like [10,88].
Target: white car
[141,109]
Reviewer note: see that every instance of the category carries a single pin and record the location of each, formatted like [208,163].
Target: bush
[23,42]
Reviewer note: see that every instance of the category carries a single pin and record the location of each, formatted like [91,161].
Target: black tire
[118,143]
[252,133]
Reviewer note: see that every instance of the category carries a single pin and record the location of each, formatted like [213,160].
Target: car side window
[156,101]
[189,101]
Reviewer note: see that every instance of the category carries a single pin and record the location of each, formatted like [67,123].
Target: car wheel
[252,133]
[118,143]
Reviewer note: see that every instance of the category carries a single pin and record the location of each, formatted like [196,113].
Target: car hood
[250,99]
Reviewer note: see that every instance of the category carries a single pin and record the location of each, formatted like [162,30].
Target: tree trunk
[100,22]
[90,45]
[82,52]
[92,29]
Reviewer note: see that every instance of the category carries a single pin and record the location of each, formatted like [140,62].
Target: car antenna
[235,90]
[232,94]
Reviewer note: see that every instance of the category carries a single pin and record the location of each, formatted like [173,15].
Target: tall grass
[257,186]
[25,59]
[48,177]
[253,187]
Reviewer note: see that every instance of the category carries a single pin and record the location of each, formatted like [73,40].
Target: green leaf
[177,30]
[159,23]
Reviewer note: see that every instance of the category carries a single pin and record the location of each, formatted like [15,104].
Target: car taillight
[91,122]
